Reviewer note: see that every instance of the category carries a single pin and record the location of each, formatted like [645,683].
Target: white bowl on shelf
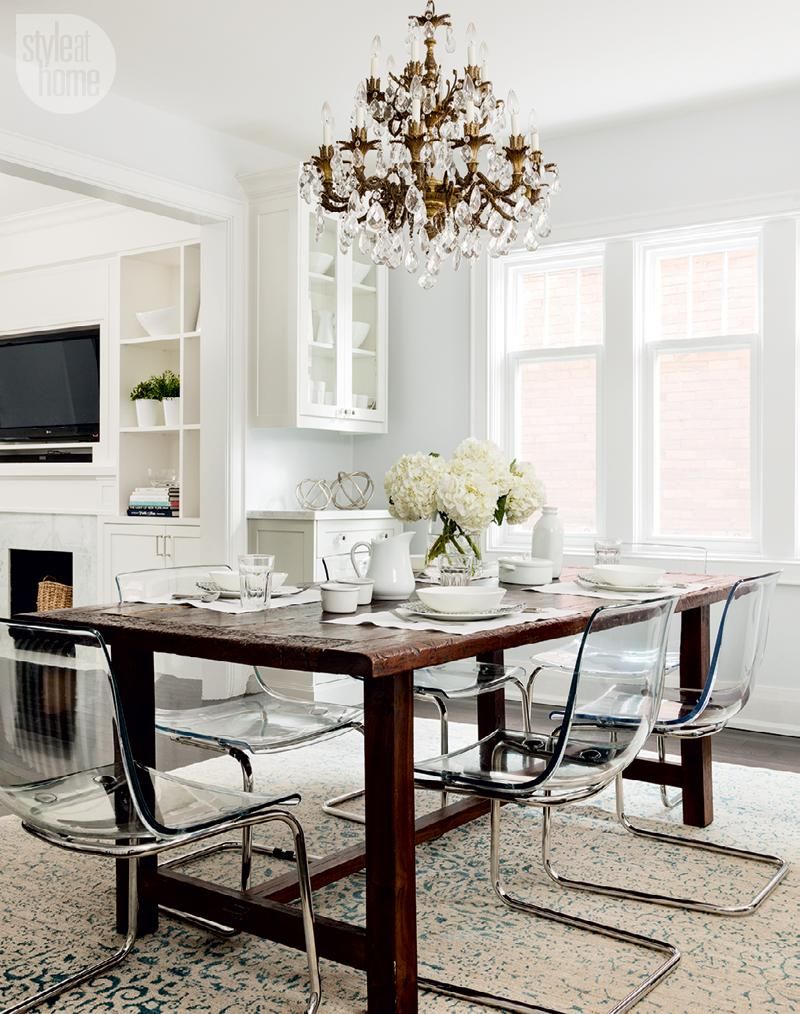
[166,320]
[360,272]
[361,330]
[455,600]
[623,575]
[320,263]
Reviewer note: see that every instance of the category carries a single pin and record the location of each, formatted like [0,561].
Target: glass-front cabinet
[321,359]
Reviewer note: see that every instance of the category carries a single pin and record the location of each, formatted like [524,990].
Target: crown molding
[270,182]
[71,212]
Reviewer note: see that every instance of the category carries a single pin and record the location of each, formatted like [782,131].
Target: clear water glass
[255,580]
[607,551]
[456,571]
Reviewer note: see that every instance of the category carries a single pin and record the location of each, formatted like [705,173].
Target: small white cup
[364,585]
[339,598]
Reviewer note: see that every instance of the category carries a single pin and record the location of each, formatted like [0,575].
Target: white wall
[277,459]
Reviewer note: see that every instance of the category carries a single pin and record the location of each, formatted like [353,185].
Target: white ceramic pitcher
[389,565]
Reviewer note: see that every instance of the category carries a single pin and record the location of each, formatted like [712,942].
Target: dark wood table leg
[133,667]
[390,835]
[698,793]
[491,707]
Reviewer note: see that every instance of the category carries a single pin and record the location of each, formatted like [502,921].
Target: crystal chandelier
[435,161]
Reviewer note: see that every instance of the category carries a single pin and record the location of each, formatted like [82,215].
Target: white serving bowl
[530,570]
[228,580]
[166,320]
[320,263]
[360,272]
[365,587]
[457,600]
[625,575]
[361,330]
[338,597]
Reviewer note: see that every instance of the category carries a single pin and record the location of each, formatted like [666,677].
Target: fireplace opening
[29,567]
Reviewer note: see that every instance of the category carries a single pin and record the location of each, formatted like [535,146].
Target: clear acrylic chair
[68,771]
[693,714]
[575,762]
[231,709]
[670,555]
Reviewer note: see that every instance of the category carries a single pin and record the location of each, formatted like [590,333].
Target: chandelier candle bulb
[484,62]
[471,45]
[327,125]
[375,57]
[513,108]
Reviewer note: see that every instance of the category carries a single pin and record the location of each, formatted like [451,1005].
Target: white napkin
[391,619]
[573,588]
[235,605]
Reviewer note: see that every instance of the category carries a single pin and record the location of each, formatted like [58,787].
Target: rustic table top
[297,637]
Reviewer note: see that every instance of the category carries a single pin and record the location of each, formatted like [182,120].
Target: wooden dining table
[298,638]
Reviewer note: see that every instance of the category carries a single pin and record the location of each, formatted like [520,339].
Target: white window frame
[649,253]
[503,364]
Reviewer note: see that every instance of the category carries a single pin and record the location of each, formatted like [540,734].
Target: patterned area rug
[56,908]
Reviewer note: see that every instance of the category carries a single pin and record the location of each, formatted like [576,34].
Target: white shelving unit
[149,280]
[304,377]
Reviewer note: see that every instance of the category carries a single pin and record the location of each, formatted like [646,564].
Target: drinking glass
[607,551]
[255,580]
[456,570]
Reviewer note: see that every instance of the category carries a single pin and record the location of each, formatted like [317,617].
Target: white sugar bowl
[339,598]
[529,570]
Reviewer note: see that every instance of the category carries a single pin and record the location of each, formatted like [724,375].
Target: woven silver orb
[313,494]
[352,491]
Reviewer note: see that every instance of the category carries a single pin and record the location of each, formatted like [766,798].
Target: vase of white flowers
[476,487]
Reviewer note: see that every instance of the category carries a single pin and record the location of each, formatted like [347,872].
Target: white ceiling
[18,196]
[261,69]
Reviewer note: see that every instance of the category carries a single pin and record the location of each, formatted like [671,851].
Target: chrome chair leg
[101,966]
[669,804]
[667,900]
[330,805]
[672,953]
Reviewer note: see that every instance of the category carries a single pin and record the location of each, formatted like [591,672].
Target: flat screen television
[50,386]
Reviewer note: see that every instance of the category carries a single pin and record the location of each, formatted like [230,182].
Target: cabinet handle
[168,552]
[158,551]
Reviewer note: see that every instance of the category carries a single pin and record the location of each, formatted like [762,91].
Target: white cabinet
[145,545]
[319,319]
[299,539]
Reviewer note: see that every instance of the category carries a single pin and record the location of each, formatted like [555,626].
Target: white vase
[172,411]
[325,334]
[148,412]
[548,539]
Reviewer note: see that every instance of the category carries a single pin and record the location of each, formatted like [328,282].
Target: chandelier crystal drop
[435,164]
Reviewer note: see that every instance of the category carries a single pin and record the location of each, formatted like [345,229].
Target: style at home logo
[65,63]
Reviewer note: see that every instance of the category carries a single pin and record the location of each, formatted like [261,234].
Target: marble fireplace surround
[76,534]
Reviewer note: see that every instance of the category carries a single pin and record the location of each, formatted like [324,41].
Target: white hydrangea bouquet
[476,487]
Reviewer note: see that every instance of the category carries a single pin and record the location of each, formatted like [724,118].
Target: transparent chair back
[183,682]
[738,649]
[339,566]
[670,555]
[59,731]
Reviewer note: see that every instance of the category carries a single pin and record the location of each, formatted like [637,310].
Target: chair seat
[597,662]
[512,766]
[259,722]
[465,679]
[93,807]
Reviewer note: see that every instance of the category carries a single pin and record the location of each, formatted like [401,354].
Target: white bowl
[530,570]
[320,263]
[624,575]
[365,587]
[338,597]
[360,272]
[457,600]
[167,320]
[228,580]
[360,332]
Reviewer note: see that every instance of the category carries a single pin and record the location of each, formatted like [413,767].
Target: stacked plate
[470,603]
[622,577]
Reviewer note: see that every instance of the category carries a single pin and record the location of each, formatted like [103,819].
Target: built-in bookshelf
[153,280]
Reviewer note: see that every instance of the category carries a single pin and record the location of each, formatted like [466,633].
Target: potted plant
[169,391]
[147,399]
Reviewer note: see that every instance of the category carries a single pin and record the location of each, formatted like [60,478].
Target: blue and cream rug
[56,909]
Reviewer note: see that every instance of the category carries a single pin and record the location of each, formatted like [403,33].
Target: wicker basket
[53,595]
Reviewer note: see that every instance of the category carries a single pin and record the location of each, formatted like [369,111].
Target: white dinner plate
[590,582]
[278,593]
[414,609]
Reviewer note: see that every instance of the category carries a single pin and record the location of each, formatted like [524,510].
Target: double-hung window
[700,393]
[546,350]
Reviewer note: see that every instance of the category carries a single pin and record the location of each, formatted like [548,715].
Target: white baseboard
[771,709]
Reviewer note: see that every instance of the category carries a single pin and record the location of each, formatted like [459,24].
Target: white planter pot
[148,412]
[172,411]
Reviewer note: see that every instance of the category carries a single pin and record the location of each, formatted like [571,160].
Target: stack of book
[154,502]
